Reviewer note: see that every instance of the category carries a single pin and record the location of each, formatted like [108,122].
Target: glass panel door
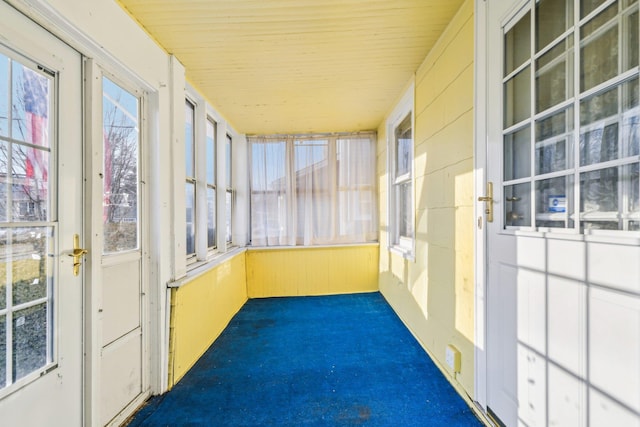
[41,207]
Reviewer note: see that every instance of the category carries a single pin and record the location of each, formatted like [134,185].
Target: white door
[41,306]
[563,250]
[119,383]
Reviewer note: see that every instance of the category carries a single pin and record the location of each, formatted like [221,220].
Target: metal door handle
[77,254]
[488,199]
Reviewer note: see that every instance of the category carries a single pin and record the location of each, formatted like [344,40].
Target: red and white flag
[36,107]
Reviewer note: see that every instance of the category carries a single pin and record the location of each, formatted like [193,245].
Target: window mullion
[221,134]
[199,153]
[292,200]
[332,161]
[576,116]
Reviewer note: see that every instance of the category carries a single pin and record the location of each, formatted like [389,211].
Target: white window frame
[229,211]
[205,113]
[193,180]
[402,245]
[212,185]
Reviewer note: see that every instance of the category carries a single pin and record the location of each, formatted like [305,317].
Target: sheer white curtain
[313,190]
[270,200]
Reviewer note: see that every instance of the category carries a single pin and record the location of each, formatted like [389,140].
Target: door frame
[480,164]
[481,146]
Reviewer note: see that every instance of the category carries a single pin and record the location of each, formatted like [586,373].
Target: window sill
[403,252]
[289,247]
[199,268]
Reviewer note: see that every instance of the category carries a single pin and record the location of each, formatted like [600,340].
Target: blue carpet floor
[312,361]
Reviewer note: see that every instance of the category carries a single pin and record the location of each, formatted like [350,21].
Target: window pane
[517,98]
[599,190]
[356,186]
[517,205]
[191,209]
[599,199]
[29,265]
[313,191]
[554,76]
[553,18]
[517,44]
[404,208]
[5,181]
[3,351]
[270,221]
[211,152]
[229,201]
[30,106]
[120,147]
[599,55]
[189,139]
[607,133]
[403,146]
[609,197]
[5,237]
[631,189]
[554,202]
[517,154]
[227,153]
[311,157]
[30,189]
[29,340]
[4,98]
[211,217]
[554,142]
[631,29]
[588,6]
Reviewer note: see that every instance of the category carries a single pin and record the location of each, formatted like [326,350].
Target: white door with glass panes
[41,305]
[563,249]
[119,383]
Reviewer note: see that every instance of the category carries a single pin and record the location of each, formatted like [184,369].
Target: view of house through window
[571,155]
[309,190]
[121,139]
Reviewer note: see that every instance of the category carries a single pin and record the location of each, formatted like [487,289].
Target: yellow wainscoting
[201,309]
[276,272]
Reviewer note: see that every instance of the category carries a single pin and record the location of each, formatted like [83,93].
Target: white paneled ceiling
[278,66]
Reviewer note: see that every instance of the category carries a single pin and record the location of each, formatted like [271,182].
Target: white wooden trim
[240,170]
[177,90]
[480,163]
[93,295]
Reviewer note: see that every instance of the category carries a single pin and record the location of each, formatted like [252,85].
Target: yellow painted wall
[201,309]
[435,294]
[312,271]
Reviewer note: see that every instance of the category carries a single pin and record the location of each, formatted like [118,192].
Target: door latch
[488,200]
[77,254]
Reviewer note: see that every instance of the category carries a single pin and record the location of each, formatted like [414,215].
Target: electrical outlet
[452,358]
